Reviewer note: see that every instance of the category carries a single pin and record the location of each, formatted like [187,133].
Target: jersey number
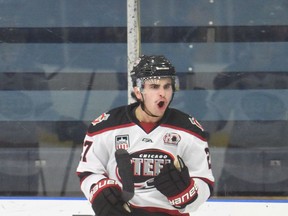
[208,157]
[87,145]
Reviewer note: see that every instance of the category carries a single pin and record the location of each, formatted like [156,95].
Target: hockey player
[168,151]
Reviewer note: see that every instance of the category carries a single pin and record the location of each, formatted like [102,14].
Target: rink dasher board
[55,206]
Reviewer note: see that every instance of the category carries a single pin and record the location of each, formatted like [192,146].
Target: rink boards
[80,207]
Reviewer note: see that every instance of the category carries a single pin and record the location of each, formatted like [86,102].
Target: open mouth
[161,104]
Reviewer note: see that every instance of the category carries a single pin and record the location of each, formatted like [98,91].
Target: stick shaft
[126,173]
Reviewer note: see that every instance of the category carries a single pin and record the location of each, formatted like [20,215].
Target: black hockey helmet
[153,67]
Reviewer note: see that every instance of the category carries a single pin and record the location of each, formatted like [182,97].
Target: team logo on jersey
[101,118]
[196,123]
[122,142]
[146,164]
[172,138]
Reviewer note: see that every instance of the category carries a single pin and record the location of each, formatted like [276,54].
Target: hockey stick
[126,173]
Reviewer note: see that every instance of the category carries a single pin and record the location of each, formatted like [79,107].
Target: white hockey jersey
[176,134]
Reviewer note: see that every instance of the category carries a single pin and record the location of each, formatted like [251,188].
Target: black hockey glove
[176,184]
[106,200]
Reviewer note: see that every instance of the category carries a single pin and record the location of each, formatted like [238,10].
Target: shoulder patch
[196,123]
[101,118]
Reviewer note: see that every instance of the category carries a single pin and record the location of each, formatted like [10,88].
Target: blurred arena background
[63,63]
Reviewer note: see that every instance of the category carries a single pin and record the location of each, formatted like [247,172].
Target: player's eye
[154,86]
[167,86]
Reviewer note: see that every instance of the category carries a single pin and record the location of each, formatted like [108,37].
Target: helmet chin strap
[143,107]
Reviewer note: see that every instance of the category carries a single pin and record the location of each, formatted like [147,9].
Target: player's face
[157,94]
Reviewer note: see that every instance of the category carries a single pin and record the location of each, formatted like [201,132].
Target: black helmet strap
[144,108]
